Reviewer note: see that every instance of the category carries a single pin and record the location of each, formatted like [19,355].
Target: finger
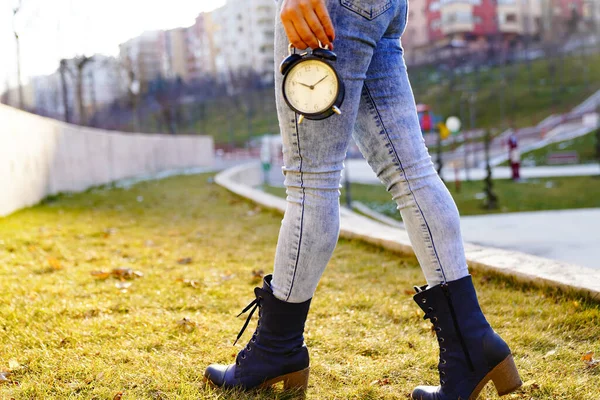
[323,16]
[292,35]
[315,26]
[306,34]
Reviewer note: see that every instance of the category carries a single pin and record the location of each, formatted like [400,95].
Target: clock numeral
[307,68]
[293,83]
[331,92]
[316,107]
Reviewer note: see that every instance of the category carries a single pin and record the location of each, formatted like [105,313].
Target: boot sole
[505,377]
[294,381]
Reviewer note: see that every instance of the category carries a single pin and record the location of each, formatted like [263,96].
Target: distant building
[243,32]
[475,23]
[415,39]
[201,48]
[142,55]
[173,46]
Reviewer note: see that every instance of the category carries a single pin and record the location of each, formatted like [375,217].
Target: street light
[453,123]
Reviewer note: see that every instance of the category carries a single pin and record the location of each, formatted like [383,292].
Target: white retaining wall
[40,157]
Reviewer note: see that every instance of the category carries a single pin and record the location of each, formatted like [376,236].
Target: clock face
[311,86]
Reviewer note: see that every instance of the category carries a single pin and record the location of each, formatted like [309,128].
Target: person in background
[379,111]
[514,156]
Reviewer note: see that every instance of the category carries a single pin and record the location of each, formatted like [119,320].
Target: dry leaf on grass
[187,324]
[54,264]
[190,282]
[13,365]
[109,231]
[126,273]
[118,396]
[183,261]
[3,377]
[101,275]
[381,382]
[589,360]
[119,273]
[257,275]
[531,385]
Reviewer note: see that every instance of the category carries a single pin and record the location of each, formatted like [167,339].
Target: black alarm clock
[311,85]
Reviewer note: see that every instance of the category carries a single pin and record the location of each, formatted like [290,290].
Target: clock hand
[308,86]
[325,77]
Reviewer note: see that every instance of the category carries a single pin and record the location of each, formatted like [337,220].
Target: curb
[523,267]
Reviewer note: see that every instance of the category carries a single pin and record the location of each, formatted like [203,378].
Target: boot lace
[438,332]
[256,303]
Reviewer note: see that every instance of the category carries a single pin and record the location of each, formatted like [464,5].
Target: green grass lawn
[584,145]
[66,334]
[527,95]
[528,195]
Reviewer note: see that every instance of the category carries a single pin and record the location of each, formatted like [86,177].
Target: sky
[55,29]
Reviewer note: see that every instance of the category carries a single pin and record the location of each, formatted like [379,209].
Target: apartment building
[201,47]
[243,32]
[173,49]
[142,55]
[415,39]
[478,21]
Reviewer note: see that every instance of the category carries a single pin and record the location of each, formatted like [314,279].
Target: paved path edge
[523,267]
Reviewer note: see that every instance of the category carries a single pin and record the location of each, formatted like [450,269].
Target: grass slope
[66,334]
[584,145]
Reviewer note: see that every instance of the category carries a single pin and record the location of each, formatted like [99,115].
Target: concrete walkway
[571,236]
[526,267]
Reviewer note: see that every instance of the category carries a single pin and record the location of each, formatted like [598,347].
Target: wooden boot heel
[506,376]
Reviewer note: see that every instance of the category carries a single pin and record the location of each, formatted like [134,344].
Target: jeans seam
[301,204]
[349,5]
[405,178]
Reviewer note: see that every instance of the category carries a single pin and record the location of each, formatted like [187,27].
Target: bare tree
[167,93]
[18,42]
[64,69]
[80,63]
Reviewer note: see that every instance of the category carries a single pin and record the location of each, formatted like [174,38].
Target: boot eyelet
[253,340]
[430,309]
[442,373]
[237,363]
[248,348]
[424,301]
[443,361]
[243,356]
[438,329]
[443,382]
[434,319]
[443,350]
[441,340]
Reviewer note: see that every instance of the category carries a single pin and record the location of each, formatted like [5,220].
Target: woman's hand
[307,22]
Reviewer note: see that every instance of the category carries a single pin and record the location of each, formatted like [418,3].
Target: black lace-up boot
[471,353]
[276,352]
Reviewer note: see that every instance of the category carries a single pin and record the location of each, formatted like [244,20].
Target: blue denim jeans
[379,112]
